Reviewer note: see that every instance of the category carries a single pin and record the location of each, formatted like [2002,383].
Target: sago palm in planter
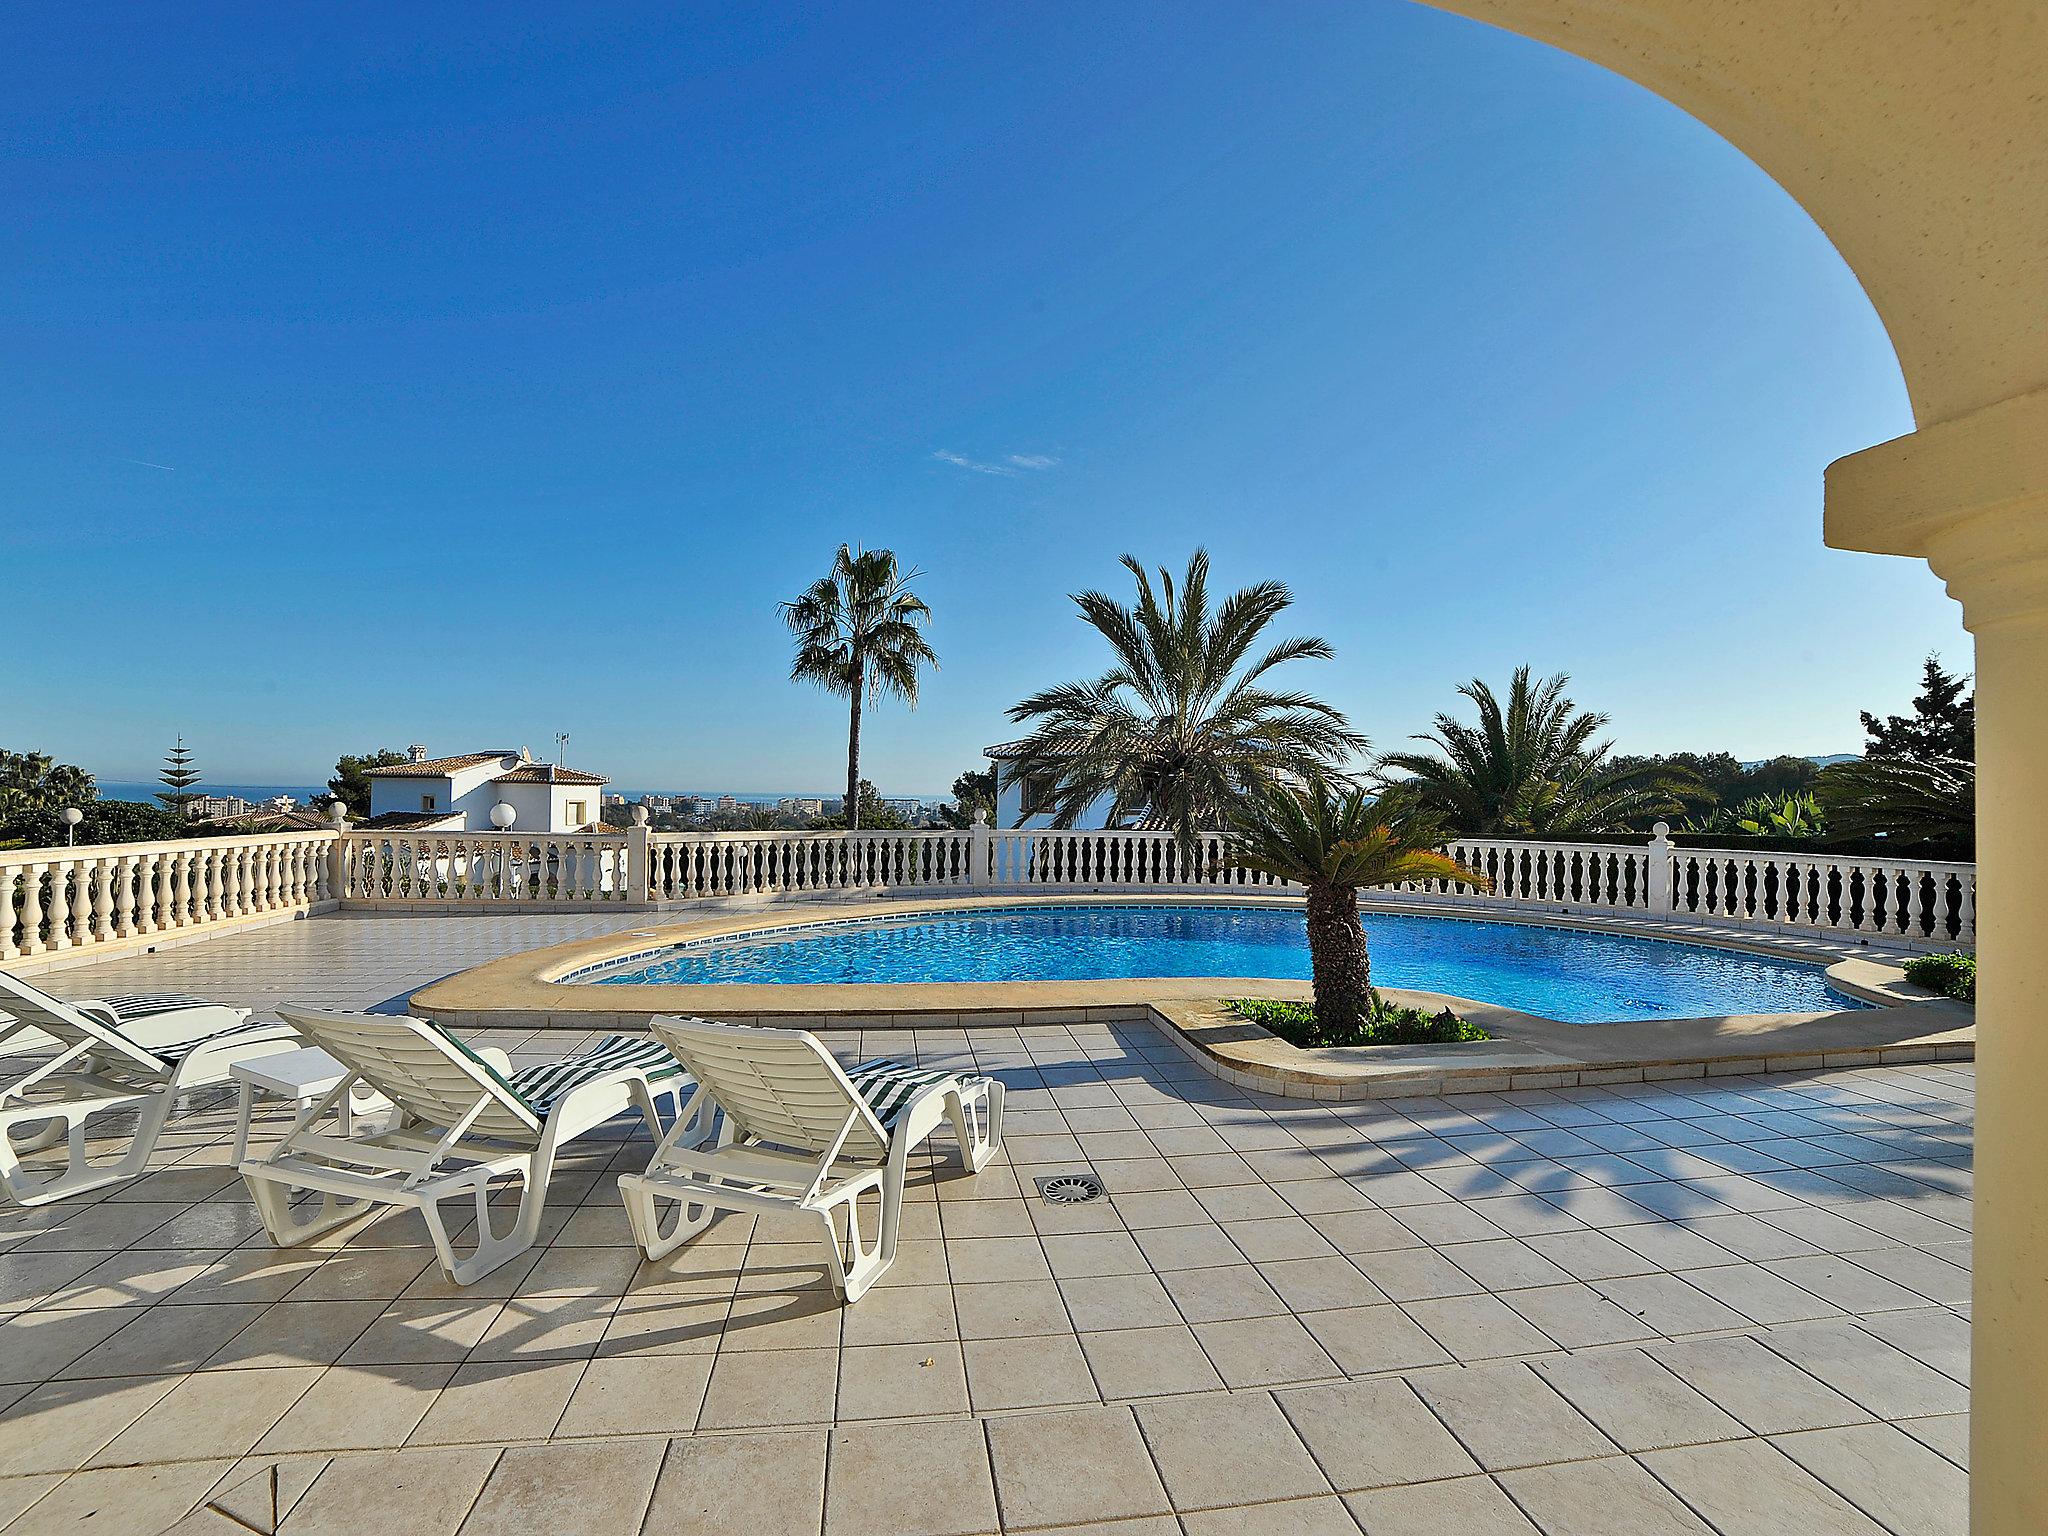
[1334,843]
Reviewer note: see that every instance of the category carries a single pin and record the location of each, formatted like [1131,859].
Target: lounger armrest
[500,1063]
[101,1012]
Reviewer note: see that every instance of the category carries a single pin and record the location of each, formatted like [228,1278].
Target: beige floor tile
[1011,1309]
[1363,1340]
[759,1388]
[1087,1254]
[716,1485]
[117,1499]
[907,1314]
[1370,1434]
[1464,1506]
[1887,1474]
[364,1274]
[423,1333]
[1264,1459]
[1265,1351]
[1149,1362]
[428,1492]
[40,1344]
[641,1395]
[987,1259]
[262,1274]
[210,1415]
[1946,1434]
[1027,1373]
[663,1324]
[894,1381]
[909,1480]
[1612,1497]
[806,1319]
[565,1271]
[58,1427]
[1325,1516]
[491,1402]
[18,1493]
[1764,1391]
[546,1328]
[1749,1486]
[288,1333]
[1223,1294]
[1870,1372]
[1118,1301]
[160,1339]
[600,1487]
[1506,1416]
[358,1407]
[1478,1327]
[1415,1274]
[137,1278]
[1065,1468]
[1321,1284]
[1635,1401]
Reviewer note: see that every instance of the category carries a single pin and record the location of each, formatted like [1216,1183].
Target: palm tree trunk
[1337,955]
[853,746]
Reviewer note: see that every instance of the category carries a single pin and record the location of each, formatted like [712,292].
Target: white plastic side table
[304,1076]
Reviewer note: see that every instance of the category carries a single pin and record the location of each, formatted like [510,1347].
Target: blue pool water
[1561,973]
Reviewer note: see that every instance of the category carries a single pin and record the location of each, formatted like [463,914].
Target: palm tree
[1530,767]
[1901,800]
[860,634]
[1183,726]
[1332,842]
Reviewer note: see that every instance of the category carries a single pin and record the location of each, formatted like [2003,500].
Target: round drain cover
[1070,1189]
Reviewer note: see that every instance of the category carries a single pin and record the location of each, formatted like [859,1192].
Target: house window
[426,802]
[1037,795]
[575,812]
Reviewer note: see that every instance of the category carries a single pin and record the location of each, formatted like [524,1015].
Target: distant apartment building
[208,807]
[801,805]
[911,810]
[458,794]
[727,805]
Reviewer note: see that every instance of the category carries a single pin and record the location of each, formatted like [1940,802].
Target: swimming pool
[1562,973]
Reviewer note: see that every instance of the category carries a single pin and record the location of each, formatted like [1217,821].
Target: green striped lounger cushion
[539,1087]
[889,1086]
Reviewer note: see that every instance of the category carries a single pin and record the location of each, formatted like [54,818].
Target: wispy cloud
[147,465]
[1009,464]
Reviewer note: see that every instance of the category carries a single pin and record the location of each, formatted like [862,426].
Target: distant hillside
[1818,762]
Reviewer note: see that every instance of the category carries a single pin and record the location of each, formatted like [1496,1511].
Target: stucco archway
[1915,132]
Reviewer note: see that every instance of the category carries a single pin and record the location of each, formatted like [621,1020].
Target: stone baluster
[122,875]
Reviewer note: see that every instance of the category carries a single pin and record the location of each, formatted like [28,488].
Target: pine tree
[1941,729]
[178,779]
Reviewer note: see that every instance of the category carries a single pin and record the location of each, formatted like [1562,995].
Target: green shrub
[106,821]
[1296,1024]
[1951,975]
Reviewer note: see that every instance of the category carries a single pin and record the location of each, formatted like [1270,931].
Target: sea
[116,790]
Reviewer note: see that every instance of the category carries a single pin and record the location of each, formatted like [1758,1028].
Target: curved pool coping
[528,990]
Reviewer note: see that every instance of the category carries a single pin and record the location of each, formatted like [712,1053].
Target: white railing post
[1657,888]
[639,883]
[978,839]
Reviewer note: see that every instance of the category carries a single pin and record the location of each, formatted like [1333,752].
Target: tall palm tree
[860,634]
[1896,798]
[1529,767]
[1332,842]
[1183,726]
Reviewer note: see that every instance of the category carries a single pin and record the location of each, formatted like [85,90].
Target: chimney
[416,753]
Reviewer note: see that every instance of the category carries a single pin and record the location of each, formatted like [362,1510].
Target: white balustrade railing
[1916,899]
[485,869]
[54,899]
[57,899]
[683,866]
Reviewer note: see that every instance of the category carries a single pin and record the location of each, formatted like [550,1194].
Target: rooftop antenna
[561,749]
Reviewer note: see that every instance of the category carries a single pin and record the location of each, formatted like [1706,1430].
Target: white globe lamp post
[502,816]
[71,816]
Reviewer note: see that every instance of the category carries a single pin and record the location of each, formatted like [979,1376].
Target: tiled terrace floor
[1736,1305]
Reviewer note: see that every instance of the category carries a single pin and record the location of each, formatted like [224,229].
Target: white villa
[458,794]
[1023,802]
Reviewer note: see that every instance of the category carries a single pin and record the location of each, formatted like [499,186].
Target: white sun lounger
[464,1120]
[803,1134]
[100,1055]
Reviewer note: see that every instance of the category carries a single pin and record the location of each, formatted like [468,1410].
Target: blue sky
[377,375]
